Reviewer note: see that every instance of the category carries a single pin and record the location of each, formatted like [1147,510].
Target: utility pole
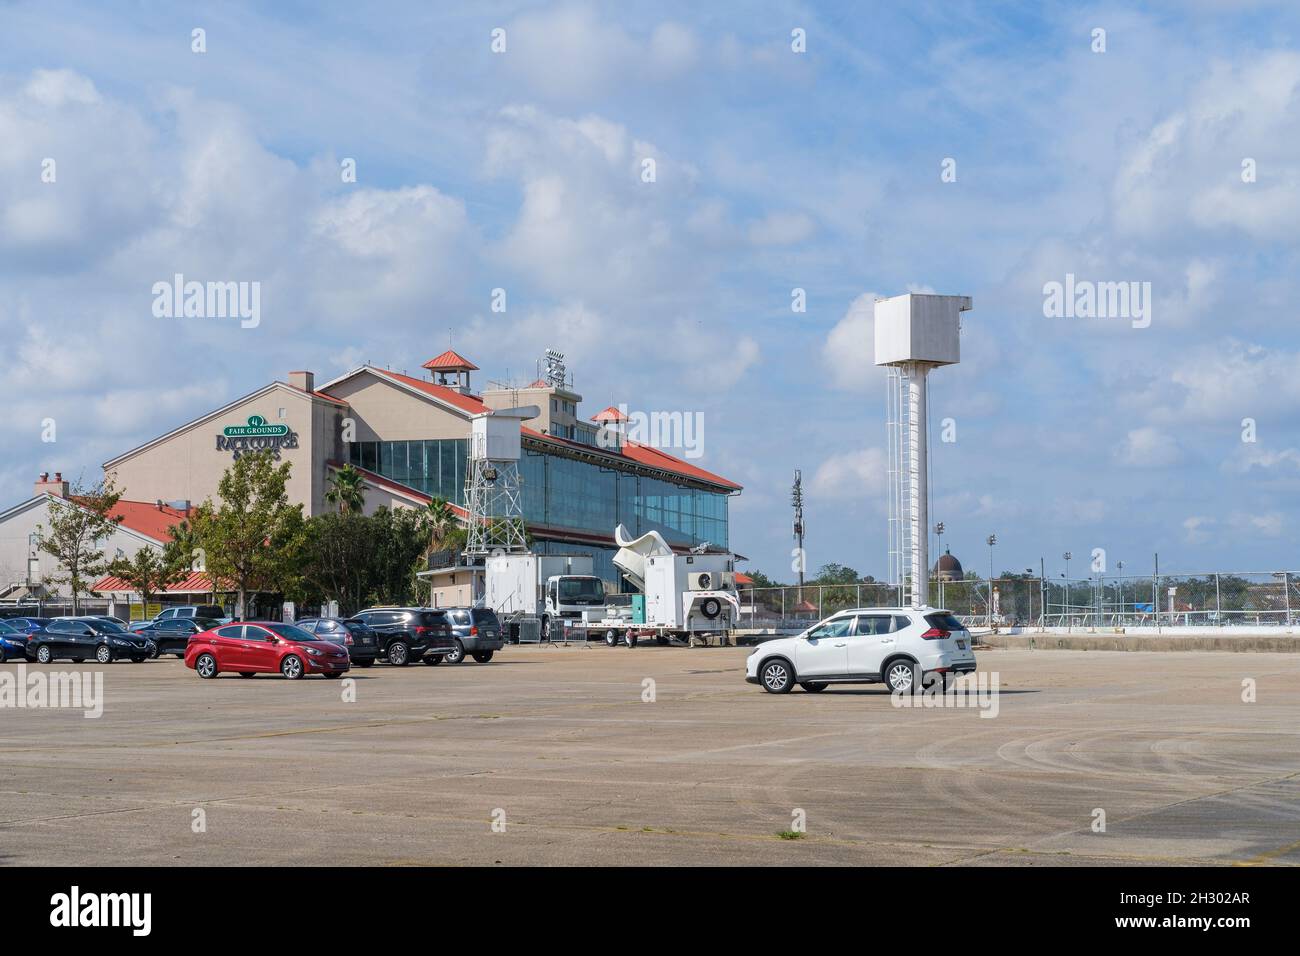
[1067,555]
[992,540]
[796,500]
[1042,592]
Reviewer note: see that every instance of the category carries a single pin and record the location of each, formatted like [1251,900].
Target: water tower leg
[918,486]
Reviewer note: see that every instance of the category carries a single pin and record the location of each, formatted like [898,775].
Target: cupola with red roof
[451,370]
[612,422]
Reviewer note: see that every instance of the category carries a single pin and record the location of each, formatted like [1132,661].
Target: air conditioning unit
[711,580]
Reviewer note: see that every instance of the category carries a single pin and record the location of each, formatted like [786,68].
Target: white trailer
[683,596]
[543,587]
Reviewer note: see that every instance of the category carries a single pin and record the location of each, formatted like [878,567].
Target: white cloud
[858,474]
[1149,447]
[850,348]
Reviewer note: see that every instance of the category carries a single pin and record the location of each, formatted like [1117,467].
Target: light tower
[796,501]
[493,488]
[914,333]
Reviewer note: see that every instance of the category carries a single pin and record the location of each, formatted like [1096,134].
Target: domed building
[948,568]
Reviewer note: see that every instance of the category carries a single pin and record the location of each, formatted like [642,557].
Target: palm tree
[347,489]
[441,521]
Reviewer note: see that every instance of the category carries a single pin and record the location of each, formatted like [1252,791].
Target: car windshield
[290,633]
[355,625]
[582,589]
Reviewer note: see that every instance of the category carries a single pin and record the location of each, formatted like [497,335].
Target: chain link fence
[1200,599]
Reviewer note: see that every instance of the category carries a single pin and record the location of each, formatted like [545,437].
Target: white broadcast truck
[545,588]
[683,596]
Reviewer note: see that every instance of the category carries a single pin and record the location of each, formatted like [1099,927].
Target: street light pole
[938,530]
[992,540]
[1068,555]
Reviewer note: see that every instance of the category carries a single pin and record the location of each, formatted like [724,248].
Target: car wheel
[206,666]
[153,653]
[777,677]
[246,674]
[813,686]
[291,667]
[104,654]
[457,652]
[482,656]
[399,655]
[433,660]
[43,654]
[901,677]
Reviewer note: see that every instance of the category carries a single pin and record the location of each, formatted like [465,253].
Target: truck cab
[568,595]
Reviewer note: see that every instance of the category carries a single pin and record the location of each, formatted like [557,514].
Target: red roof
[642,454]
[742,578]
[194,583]
[610,414]
[540,383]
[467,403]
[145,517]
[450,361]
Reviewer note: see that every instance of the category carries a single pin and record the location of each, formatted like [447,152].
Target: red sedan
[264,647]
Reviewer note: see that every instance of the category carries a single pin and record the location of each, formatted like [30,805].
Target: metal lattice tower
[493,487]
[796,501]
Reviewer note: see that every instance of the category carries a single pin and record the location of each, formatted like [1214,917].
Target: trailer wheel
[630,638]
[710,608]
[611,639]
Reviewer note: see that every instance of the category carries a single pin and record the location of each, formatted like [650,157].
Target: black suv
[361,640]
[79,638]
[408,634]
[476,631]
[172,636]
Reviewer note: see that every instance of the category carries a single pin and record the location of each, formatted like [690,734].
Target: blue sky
[774,170]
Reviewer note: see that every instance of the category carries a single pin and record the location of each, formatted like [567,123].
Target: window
[875,624]
[232,632]
[836,628]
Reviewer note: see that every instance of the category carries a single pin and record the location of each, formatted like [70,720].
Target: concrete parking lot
[558,747]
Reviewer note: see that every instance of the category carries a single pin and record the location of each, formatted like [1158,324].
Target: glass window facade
[435,467]
[562,492]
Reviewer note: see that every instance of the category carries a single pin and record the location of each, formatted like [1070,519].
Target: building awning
[196,582]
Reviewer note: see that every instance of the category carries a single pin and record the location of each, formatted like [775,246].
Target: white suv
[895,645]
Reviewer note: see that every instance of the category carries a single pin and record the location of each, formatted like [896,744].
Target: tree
[149,572]
[340,559]
[347,489]
[400,540]
[836,574]
[77,526]
[254,538]
[761,580]
[441,521]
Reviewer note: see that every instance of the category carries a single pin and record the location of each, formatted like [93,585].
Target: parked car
[897,646]
[13,642]
[263,647]
[475,631]
[173,635]
[28,625]
[82,638]
[409,633]
[361,641]
[211,612]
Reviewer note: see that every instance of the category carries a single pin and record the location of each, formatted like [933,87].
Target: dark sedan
[172,636]
[13,642]
[28,625]
[85,638]
[359,638]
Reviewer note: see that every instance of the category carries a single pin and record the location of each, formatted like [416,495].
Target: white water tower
[914,333]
